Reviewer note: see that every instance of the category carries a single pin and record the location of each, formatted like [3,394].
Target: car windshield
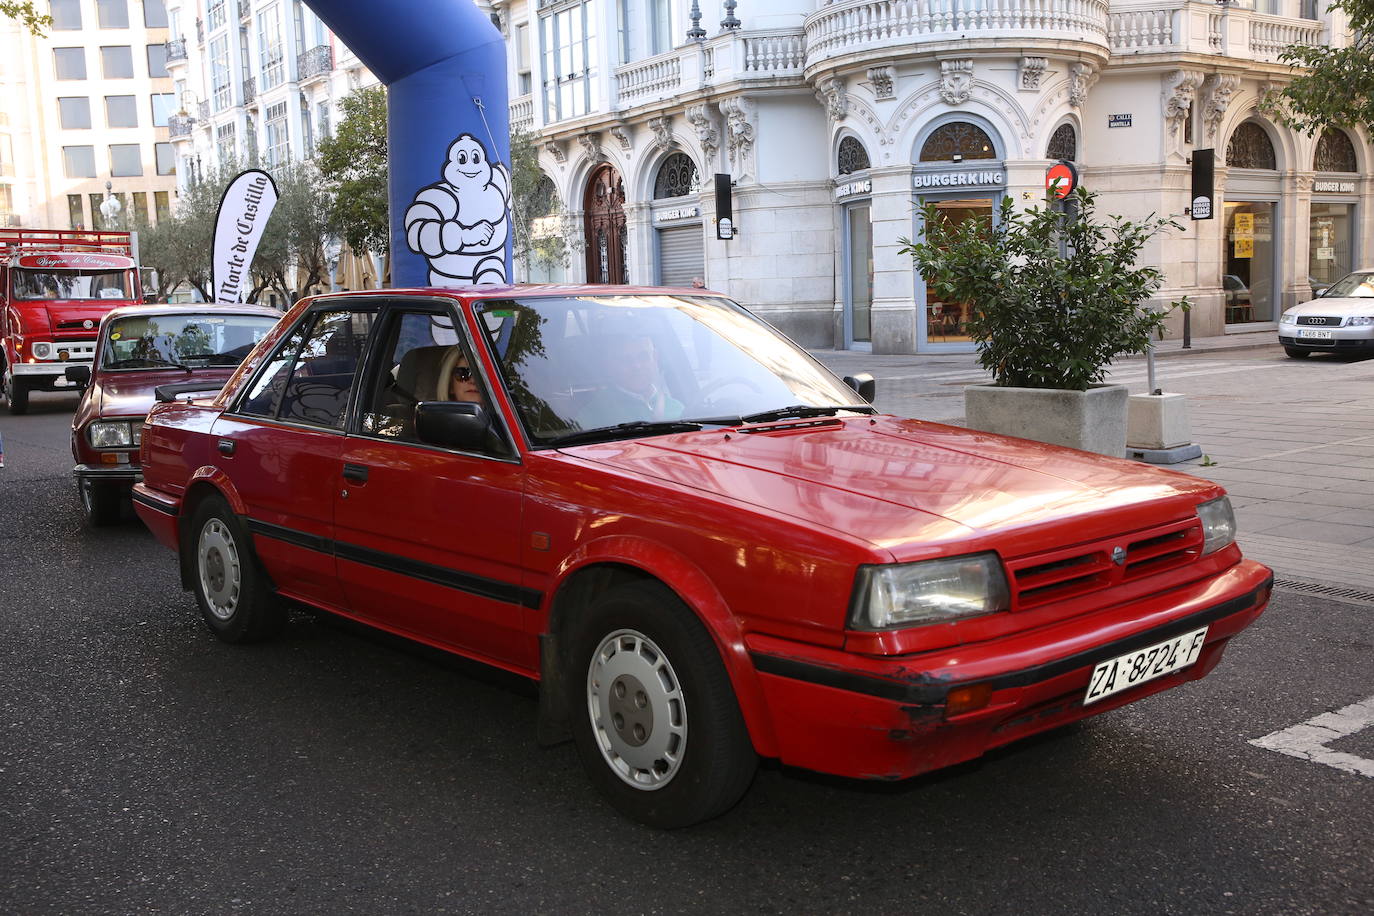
[1354,286]
[194,339]
[71,284]
[645,364]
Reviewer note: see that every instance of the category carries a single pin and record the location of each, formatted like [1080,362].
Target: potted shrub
[1055,295]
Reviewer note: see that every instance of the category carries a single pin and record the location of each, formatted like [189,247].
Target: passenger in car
[636,391]
[460,379]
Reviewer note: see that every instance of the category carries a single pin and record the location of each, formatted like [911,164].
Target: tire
[1297,352]
[653,715]
[101,503]
[17,396]
[233,594]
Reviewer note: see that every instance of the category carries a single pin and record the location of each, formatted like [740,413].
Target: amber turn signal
[967,699]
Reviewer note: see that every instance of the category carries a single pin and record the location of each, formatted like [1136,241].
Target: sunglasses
[463,373]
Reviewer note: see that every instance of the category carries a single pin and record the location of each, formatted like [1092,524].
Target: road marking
[1358,440]
[1308,740]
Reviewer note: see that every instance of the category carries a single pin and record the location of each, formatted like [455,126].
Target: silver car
[1340,320]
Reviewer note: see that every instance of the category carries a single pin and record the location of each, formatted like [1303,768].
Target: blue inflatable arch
[448,141]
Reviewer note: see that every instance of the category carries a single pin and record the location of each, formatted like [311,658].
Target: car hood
[131,393]
[908,485]
[1336,305]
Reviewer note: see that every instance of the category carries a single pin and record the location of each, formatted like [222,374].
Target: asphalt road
[147,768]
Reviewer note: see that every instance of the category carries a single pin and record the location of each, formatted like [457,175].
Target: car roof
[525,290]
[188,308]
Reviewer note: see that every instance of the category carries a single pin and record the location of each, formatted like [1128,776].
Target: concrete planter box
[1092,420]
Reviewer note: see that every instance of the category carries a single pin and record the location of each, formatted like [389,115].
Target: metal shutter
[681,255]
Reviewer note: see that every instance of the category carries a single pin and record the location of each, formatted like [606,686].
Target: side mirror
[453,424]
[864,384]
[81,375]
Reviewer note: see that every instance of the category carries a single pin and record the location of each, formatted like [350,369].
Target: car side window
[311,376]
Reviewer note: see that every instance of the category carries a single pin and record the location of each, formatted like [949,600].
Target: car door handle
[226,446]
[355,472]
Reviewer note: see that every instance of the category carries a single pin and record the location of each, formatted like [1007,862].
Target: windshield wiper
[801,411]
[626,430]
[144,363]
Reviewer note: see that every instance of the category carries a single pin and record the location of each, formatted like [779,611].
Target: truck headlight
[1218,524]
[104,434]
[42,350]
[929,591]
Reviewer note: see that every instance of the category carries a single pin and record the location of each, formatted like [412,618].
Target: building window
[125,160]
[214,15]
[278,138]
[568,43]
[1335,152]
[97,217]
[1250,148]
[250,137]
[66,15]
[78,161]
[166,159]
[270,47]
[121,111]
[154,14]
[161,205]
[140,208]
[677,176]
[157,61]
[117,62]
[164,104]
[74,113]
[660,26]
[219,71]
[1330,233]
[323,110]
[70,63]
[522,58]
[307,129]
[224,144]
[958,139]
[76,215]
[1063,144]
[853,157]
[113,14]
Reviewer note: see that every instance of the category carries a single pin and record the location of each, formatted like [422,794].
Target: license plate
[1314,333]
[1126,671]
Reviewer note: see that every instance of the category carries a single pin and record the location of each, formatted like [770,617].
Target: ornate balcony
[176,50]
[250,90]
[522,113]
[1179,26]
[317,62]
[180,126]
[767,57]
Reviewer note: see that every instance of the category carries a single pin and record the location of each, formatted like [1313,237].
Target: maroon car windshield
[193,339]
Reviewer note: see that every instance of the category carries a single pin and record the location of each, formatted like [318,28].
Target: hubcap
[637,710]
[217,559]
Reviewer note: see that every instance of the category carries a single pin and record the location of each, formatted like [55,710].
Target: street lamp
[110,207]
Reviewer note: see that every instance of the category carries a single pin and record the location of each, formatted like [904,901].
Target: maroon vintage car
[140,348]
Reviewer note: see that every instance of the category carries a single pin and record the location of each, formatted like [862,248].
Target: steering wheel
[706,401]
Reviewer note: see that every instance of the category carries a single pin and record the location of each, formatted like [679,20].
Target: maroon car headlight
[1218,524]
[112,434]
[928,591]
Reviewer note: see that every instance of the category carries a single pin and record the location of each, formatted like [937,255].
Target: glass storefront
[1330,235]
[858,274]
[946,321]
[1249,278]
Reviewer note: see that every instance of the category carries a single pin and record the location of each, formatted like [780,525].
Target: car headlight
[1360,321]
[1218,524]
[929,591]
[1288,318]
[42,350]
[104,434]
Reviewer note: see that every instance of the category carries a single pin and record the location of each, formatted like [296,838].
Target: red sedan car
[704,546]
[139,349]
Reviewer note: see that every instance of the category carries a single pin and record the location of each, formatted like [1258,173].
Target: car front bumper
[1343,340]
[111,473]
[885,718]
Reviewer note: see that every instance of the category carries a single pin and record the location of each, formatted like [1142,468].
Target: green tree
[353,164]
[292,246]
[27,14]
[1053,296]
[1337,88]
[533,202]
[160,249]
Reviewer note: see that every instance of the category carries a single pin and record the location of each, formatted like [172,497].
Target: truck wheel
[234,597]
[101,503]
[17,395]
[654,717]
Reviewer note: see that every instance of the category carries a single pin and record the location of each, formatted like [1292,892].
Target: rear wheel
[16,395]
[654,717]
[101,503]
[233,594]
[1297,352]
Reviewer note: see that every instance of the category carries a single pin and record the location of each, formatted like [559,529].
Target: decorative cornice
[880,78]
[739,123]
[1180,87]
[699,116]
[662,129]
[621,132]
[1032,70]
[555,149]
[1217,90]
[1082,78]
[591,145]
[956,80]
[831,94]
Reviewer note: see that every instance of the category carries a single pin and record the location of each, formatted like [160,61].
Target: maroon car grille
[1072,571]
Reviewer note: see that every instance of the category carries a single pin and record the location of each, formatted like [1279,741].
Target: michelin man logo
[461,224]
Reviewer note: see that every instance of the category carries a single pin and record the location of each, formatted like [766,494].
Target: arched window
[1250,148]
[1063,144]
[1335,152]
[853,157]
[545,199]
[958,138]
[676,176]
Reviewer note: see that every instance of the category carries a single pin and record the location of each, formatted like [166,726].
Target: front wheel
[1297,352]
[654,716]
[17,395]
[101,503]
[231,590]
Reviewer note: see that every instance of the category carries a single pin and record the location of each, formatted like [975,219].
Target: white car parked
[1340,320]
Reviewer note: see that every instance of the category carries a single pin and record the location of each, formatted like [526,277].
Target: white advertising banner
[243,213]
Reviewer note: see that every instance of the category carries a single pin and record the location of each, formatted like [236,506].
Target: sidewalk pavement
[1296,452]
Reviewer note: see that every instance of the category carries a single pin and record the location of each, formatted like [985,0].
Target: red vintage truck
[55,286]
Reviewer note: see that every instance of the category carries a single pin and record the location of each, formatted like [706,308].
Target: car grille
[1072,571]
[1319,321]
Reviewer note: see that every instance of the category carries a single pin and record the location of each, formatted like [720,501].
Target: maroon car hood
[130,393]
[896,482]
